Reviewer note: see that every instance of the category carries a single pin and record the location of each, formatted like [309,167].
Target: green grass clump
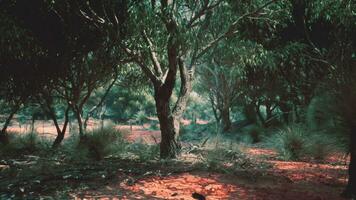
[195,132]
[107,142]
[96,144]
[321,145]
[143,152]
[298,143]
[21,144]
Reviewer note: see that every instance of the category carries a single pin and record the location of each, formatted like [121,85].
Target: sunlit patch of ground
[184,185]
[258,152]
[139,134]
[174,187]
[318,173]
[333,171]
[214,187]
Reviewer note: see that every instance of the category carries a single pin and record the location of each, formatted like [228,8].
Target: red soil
[284,181]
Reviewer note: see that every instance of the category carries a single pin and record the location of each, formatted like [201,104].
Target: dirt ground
[286,180]
[283,181]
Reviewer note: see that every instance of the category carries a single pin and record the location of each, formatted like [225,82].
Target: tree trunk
[225,119]
[60,133]
[80,124]
[285,111]
[260,116]
[169,125]
[350,191]
[77,112]
[33,121]
[268,111]
[3,135]
[4,139]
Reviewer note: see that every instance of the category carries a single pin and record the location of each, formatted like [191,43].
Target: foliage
[255,133]
[124,102]
[290,142]
[97,144]
[140,117]
[143,152]
[225,155]
[25,144]
[297,143]
[106,142]
[194,132]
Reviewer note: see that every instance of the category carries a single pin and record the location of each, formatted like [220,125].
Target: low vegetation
[91,91]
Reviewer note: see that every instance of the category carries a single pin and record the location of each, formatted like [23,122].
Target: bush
[143,152]
[101,143]
[193,132]
[321,145]
[28,143]
[224,155]
[290,142]
[141,117]
[296,143]
[255,133]
[97,143]
[250,134]
[154,125]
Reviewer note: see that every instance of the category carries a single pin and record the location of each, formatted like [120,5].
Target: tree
[17,55]
[333,47]
[165,38]
[59,56]
[82,78]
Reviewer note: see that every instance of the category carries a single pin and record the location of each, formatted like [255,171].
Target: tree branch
[185,89]
[153,55]
[202,12]
[93,109]
[231,30]
[149,73]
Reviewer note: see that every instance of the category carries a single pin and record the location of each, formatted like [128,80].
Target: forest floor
[260,175]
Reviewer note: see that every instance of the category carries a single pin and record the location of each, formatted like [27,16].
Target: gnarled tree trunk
[60,133]
[225,119]
[78,115]
[169,125]
[4,139]
[169,118]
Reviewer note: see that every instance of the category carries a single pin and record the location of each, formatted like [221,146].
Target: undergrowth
[24,143]
[296,142]
[107,142]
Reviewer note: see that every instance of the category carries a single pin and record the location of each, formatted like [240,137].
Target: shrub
[154,125]
[193,132]
[98,143]
[250,134]
[296,143]
[141,117]
[321,145]
[28,143]
[143,152]
[255,133]
[290,142]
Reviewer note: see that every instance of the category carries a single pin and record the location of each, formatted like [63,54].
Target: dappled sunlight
[212,186]
[184,185]
[144,136]
[303,171]
[259,152]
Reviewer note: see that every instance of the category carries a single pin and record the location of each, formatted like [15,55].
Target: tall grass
[296,142]
[107,142]
[28,143]
[95,144]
